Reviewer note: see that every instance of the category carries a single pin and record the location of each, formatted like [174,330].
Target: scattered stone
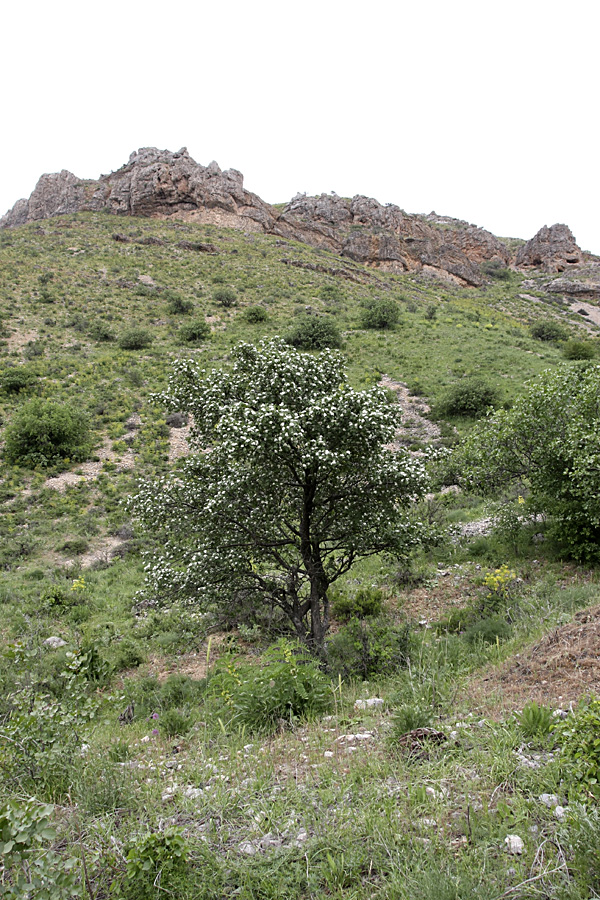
[514,844]
[560,812]
[549,800]
[370,703]
[54,643]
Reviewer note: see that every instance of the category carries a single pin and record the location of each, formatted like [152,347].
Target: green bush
[550,439]
[151,859]
[368,647]
[194,332]
[380,314]
[135,339]
[469,397]
[579,350]
[578,736]
[256,314]
[315,333]
[16,379]
[288,686]
[101,332]
[548,331]
[364,603]
[225,296]
[495,268]
[46,432]
[178,306]
[409,716]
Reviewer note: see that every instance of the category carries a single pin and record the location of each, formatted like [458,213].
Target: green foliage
[490,630]
[135,339]
[360,605]
[29,870]
[535,720]
[409,716]
[152,859]
[194,332]
[288,686]
[367,647]
[579,350]
[101,332]
[46,432]
[380,313]
[578,736]
[551,440]
[16,379]
[469,397]
[179,306]
[582,836]
[173,722]
[225,296]
[297,487]
[496,269]
[548,330]
[256,314]
[315,333]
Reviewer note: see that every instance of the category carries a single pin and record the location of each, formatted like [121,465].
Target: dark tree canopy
[290,483]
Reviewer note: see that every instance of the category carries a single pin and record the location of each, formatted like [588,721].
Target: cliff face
[389,238]
[152,183]
[156,183]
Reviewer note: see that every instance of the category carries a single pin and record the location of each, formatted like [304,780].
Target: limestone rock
[54,642]
[155,183]
[388,238]
[553,249]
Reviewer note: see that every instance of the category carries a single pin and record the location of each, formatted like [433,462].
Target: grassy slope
[375,821]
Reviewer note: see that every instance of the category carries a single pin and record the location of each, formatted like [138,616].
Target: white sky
[480,110]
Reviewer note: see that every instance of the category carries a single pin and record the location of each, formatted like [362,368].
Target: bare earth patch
[593,312]
[179,442]
[415,424]
[89,471]
[557,670]
[19,339]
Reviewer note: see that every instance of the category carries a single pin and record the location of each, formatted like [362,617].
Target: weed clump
[548,331]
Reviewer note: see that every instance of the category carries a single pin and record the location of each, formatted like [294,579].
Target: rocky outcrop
[153,183]
[387,237]
[553,249]
[158,183]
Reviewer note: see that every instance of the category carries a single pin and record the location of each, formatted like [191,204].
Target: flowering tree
[290,483]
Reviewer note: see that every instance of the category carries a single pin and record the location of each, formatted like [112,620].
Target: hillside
[406,783]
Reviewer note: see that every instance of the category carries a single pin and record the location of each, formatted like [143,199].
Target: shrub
[380,314]
[364,603]
[151,859]
[135,339]
[256,314]
[550,439]
[315,333]
[494,268]
[408,717]
[368,647]
[46,432]
[578,737]
[101,332]
[194,332]
[16,379]
[225,296]
[469,397]
[179,306]
[289,686]
[548,331]
[579,350]
[29,868]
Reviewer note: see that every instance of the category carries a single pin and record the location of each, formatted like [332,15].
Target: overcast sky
[483,111]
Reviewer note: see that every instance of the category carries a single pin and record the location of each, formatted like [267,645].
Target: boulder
[553,249]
